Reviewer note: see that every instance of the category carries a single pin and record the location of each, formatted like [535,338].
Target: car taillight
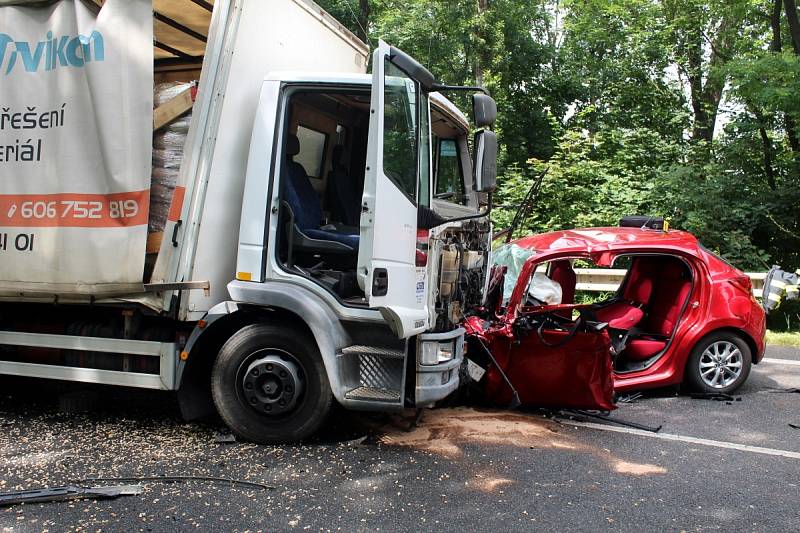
[423,236]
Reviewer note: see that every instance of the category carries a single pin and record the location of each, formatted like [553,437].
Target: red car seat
[670,295]
[562,273]
[630,310]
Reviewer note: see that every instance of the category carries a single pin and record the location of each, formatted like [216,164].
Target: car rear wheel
[269,384]
[719,363]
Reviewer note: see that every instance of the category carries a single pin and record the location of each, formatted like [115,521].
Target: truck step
[373,394]
[378,351]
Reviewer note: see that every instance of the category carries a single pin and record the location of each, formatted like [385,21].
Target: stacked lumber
[171,117]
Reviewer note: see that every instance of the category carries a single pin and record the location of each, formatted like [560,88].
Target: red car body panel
[577,375]
[721,296]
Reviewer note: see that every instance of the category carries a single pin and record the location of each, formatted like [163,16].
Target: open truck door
[387,270]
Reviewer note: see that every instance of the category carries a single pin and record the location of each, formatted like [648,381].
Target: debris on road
[629,398]
[224,438]
[69,492]
[450,432]
[179,479]
[606,418]
[792,390]
[716,396]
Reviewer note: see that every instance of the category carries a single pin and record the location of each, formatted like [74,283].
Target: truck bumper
[436,381]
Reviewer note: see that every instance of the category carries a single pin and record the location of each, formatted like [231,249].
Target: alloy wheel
[721,364]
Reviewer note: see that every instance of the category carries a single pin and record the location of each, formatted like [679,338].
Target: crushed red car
[681,315]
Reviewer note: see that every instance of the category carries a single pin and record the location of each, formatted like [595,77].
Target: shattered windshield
[512,257]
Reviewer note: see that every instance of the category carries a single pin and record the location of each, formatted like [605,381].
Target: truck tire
[269,384]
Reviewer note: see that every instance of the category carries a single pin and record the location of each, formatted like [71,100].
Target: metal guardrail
[608,279]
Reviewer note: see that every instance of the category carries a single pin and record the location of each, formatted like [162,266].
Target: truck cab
[342,237]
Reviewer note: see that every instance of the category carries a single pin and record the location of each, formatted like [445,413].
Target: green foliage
[591,297]
[768,80]
[681,108]
[786,317]
[715,207]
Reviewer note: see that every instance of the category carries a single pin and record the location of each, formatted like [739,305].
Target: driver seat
[344,193]
[305,211]
[561,272]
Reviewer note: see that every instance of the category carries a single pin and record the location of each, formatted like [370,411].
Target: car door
[387,270]
[550,359]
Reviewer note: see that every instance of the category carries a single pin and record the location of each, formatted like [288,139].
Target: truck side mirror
[484,110]
[485,163]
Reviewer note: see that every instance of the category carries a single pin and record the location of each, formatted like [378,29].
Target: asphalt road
[715,465]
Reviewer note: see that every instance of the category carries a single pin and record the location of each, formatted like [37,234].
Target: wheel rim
[721,364]
[271,382]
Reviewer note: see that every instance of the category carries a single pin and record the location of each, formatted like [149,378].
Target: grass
[784,338]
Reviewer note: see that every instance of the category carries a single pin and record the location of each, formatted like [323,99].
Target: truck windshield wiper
[525,207]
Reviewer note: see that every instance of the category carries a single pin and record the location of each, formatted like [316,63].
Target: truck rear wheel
[269,384]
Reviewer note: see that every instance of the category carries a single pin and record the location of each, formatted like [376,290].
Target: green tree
[683,108]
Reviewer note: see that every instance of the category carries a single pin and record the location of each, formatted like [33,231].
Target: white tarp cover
[76,92]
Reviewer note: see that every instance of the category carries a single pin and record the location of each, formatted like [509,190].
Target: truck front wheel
[269,384]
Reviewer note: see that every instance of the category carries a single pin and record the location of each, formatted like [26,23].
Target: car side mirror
[484,110]
[485,164]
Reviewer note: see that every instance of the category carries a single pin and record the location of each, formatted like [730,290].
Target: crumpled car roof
[594,240]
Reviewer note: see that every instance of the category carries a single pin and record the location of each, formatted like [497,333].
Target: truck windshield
[400,131]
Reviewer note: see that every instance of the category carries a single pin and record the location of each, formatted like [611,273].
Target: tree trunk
[794,31]
[766,145]
[794,24]
[482,5]
[706,96]
[791,132]
[694,74]
[775,22]
[363,19]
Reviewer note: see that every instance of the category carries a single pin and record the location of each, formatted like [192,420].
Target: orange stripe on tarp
[176,206]
[75,210]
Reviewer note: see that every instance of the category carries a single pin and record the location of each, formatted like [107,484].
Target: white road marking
[780,361]
[686,438]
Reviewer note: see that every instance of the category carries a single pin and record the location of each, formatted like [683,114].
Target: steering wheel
[553,319]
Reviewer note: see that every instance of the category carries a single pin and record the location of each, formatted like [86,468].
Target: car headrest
[674,269]
[641,290]
[648,265]
[292,145]
[561,269]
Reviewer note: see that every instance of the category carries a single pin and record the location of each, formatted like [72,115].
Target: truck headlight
[432,353]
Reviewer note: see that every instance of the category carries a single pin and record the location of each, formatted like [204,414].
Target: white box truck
[325,238]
